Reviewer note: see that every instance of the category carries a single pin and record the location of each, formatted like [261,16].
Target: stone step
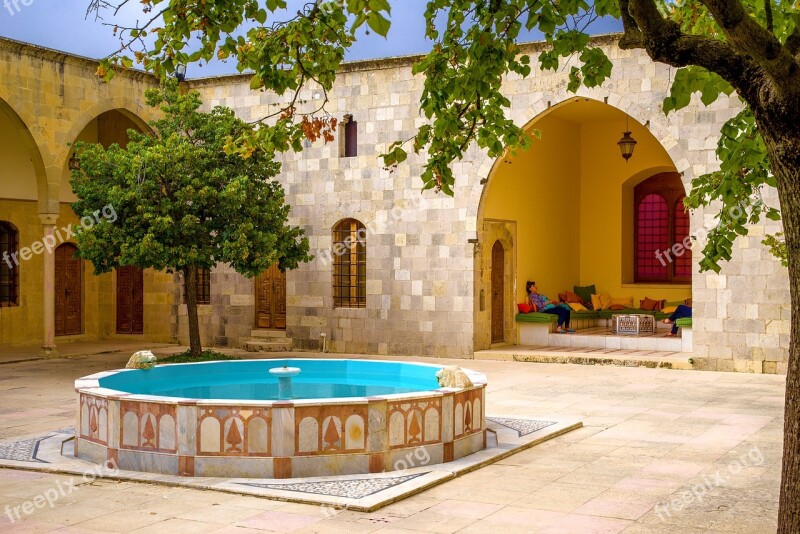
[268,334]
[268,345]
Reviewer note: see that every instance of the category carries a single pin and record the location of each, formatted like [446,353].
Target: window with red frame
[660,221]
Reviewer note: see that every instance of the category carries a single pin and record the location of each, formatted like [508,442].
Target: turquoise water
[250,380]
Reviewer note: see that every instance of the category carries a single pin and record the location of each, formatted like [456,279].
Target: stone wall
[423,283]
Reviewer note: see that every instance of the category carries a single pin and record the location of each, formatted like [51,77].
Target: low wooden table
[633,325]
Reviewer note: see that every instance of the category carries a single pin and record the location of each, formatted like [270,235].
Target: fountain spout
[284,375]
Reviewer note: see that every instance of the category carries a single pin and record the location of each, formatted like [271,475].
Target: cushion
[562,297]
[669,309]
[601,302]
[688,302]
[648,304]
[572,297]
[625,302]
[585,292]
[617,307]
[524,307]
[577,306]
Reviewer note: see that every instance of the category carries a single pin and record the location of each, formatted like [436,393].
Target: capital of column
[48,219]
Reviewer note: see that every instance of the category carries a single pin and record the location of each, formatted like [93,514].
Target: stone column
[49,290]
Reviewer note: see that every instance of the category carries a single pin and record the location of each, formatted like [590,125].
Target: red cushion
[524,308]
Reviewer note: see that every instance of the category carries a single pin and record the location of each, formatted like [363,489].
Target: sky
[63,25]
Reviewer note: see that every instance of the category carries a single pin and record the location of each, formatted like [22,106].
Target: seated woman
[545,305]
[679,313]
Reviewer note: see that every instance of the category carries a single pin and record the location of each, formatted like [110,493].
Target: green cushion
[536,317]
[585,292]
[607,314]
[685,322]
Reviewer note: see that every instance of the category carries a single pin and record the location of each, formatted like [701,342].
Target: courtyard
[660,451]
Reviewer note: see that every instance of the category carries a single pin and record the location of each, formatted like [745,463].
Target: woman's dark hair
[528,286]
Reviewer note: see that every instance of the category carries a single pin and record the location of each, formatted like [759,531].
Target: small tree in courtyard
[751,47]
[182,202]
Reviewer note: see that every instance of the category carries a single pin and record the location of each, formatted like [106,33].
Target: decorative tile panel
[94,419]
[239,431]
[330,429]
[148,426]
[468,412]
[417,422]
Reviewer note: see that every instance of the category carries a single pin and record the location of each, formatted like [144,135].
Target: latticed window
[9,268]
[349,264]
[203,285]
[661,221]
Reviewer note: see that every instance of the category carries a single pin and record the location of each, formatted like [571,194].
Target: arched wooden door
[498,293]
[130,300]
[271,299]
[69,291]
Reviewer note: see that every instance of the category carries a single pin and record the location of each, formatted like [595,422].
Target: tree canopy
[181,201]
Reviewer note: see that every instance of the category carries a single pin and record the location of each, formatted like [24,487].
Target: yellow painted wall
[607,183]
[572,197]
[17,177]
[540,189]
[24,322]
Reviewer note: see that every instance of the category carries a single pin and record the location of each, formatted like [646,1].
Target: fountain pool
[230,419]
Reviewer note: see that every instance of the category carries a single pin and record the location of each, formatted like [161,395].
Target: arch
[106,138]
[33,149]
[658,127]
[123,106]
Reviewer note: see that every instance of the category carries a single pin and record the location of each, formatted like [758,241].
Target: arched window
[660,223]
[9,265]
[349,264]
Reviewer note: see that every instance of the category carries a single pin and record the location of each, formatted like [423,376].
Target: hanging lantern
[74,163]
[626,145]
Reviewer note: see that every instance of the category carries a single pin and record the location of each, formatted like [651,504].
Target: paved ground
[662,451]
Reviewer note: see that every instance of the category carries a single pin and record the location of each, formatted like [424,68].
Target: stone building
[398,271]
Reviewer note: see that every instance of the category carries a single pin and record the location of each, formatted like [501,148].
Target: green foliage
[474,49]
[187,357]
[744,171]
[181,200]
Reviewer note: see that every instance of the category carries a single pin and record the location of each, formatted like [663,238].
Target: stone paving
[661,451]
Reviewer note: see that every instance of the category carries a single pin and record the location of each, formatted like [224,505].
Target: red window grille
[652,237]
[683,263]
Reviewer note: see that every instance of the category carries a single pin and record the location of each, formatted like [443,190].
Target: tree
[182,202]
[751,47]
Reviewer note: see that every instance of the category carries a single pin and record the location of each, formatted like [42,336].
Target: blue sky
[62,25]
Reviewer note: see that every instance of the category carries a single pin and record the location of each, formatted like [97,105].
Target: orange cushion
[616,307]
[572,297]
[648,304]
[524,307]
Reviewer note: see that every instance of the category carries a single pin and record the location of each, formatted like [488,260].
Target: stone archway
[564,261]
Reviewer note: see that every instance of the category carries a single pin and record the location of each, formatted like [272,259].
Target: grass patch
[205,356]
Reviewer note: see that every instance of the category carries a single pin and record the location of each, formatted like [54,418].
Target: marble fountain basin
[229,419]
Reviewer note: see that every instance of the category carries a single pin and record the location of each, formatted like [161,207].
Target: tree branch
[664,42]
[749,38]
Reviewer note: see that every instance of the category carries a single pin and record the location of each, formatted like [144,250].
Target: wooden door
[498,297]
[271,299]
[69,291]
[130,300]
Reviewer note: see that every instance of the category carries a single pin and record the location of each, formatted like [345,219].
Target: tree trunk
[190,286]
[785,158]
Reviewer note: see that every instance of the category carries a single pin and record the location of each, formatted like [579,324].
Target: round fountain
[284,375]
[278,418]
